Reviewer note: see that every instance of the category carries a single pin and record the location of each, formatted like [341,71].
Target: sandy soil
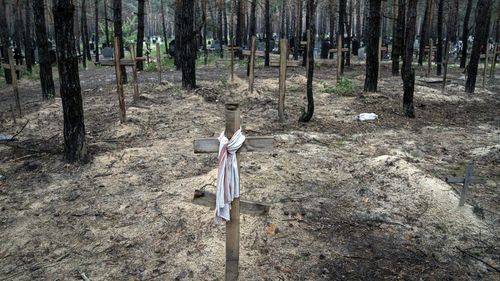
[350,200]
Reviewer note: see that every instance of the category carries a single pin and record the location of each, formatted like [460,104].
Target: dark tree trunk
[187,43]
[240,26]
[164,28]
[305,54]
[74,128]
[96,23]
[4,32]
[282,18]
[483,16]
[204,26]
[407,72]
[85,33]
[298,29]
[28,39]
[439,47]
[398,34]
[46,81]
[106,26]
[222,38]
[224,15]
[140,33]
[310,14]
[252,28]
[349,32]
[465,34]
[341,27]
[268,32]
[177,60]
[333,10]
[358,21]
[424,36]
[117,21]
[373,34]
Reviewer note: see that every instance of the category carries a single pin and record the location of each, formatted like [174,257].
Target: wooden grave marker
[445,65]
[252,65]
[496,51]
[13,69]
[251,144]
[282,79]
[158,61]
[486,61]
[429,49]
[466,181]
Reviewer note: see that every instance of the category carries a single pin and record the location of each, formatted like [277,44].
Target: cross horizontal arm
[335,50]
[251,144]
[16,67]
[207,199]
[473,179]
[124,62]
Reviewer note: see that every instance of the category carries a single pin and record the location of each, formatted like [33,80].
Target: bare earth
[350,200]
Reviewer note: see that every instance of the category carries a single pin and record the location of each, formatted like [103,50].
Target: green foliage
[344,87]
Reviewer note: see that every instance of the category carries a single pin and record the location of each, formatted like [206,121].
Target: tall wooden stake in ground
[282,82]
[372,41]
[408,73]
[74,128]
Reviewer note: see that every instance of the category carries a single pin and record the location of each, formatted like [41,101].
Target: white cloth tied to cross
[228,178]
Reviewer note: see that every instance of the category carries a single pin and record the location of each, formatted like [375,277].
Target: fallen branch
[11,139]
[478,259]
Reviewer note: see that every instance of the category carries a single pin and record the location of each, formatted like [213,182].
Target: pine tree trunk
[106,26]
[46,80]
[28,39]
[349,27]
[372,40]
[164,28]
[96,23]
[308,114]
[187,43]
[358,20]
[268,32]
[252,27]
[333,10]
[117,21]
[298,28]
[398,34]
[407,72]
[465,34]
[224,15]
[222,38]
[424,36]
[140,33]
[480,40]
[341,27]
[74,128]
[4,33]
[439,50]
[85,33]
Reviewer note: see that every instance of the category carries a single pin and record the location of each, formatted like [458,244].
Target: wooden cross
[13,69]
[251,144]
[232,49]
[282,80]
[466,181]
[431,49]
[252,65]
[158,61]
[117,63]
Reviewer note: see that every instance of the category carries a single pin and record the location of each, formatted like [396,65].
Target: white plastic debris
[5,137]
[367,116]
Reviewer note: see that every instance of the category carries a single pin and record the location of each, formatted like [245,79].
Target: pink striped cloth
[228,178]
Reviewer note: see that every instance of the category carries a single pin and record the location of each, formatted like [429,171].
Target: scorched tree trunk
[372,37]
[42,42]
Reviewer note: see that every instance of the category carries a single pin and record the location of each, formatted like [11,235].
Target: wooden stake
[445,64]
[134,73]
[379,56]
[252,64]
[12,64]
[494,62]
[119,82]
[158,61]
[429,62]
[13,114]
[233,226]
[340,47]
[486,62]
[282,82]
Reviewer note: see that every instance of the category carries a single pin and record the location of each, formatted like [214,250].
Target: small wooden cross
[466,181]
[13,68]
[251,144]
[117,63]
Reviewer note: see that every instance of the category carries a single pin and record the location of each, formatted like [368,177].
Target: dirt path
[350,200]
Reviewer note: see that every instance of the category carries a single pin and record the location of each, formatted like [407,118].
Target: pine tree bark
[46,80]
[106,22]
[74,128]
[465,34]
[96,26]
[117,22]
[28,38]
[439,47]
[310,15]
[358,21]
[333,10]
[187,43]
[4,33]
[268,32]
[298,29]
[224,15]
[407,72]
[483,17]
[85,32]
[164,28]
[398,34]
[140,33]
[341,27]
[252,27]
[220,30]
[424,33]
[372,40]
[349,32]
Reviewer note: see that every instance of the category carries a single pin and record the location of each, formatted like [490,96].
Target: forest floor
[351,200]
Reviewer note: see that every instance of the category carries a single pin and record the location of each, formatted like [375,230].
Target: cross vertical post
[12,65]
[445,63]
[233,226]
[429,62]
[119,82]
[158,60]
[493,63]
[340,49]
[252,64]
[282,81]
[134,72]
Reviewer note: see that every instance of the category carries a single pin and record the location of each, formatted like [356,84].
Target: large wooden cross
[251,144]
[117,63]
[13,69]
[466,181]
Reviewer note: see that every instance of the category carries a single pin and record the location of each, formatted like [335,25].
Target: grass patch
[344,87]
